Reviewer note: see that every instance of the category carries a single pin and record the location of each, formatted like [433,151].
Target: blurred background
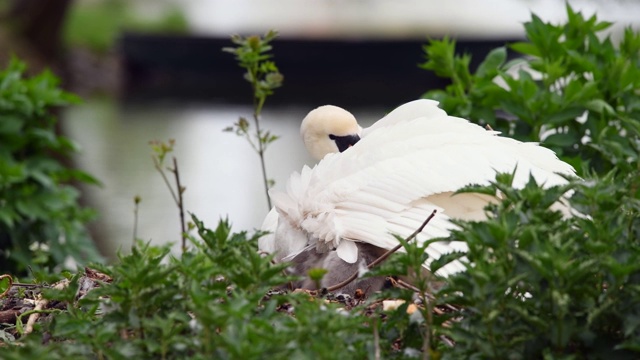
[154,69]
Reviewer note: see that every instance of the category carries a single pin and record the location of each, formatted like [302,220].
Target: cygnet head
[329,129]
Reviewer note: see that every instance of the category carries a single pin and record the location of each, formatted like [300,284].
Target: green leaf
[600,106]
[494,60]
[440,56]
[567,115]
[10,124]
[5,283]
[525,48]
[561,139]
[316,274]
[8,217]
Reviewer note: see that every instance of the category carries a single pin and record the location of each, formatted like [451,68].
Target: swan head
[329,129]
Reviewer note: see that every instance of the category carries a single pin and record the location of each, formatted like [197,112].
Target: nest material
[19,299]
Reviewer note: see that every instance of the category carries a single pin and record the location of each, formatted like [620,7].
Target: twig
[180,203]
[39,308]
[158,166]
[384,256]
[27,285]
[34,315]
[406,285]
[403,284]
[160,151]
[261,147]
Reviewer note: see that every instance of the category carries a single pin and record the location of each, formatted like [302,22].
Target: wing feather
[406,165]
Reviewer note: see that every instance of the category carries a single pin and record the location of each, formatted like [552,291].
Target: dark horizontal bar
[340,72]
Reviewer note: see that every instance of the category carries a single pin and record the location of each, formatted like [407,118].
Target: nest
[22,305]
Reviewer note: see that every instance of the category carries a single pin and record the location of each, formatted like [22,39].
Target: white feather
[266,242]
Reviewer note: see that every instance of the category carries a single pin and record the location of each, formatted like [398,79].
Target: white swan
[404,166]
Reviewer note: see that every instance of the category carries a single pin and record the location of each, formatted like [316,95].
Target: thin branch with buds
[384,256]
[252,54]
[160,151]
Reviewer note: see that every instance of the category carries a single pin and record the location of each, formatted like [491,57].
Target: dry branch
[183,234]
[384,256]
[41,304]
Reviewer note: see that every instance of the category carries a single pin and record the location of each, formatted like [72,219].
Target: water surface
[220,170]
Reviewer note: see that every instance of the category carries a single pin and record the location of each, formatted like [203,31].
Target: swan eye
[345,142]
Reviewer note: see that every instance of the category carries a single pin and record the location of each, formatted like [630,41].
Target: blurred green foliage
[96,25]
[41,221]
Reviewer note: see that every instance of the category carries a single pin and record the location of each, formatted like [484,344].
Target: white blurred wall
[392,18]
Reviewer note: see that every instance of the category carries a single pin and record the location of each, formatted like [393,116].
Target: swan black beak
[345,142]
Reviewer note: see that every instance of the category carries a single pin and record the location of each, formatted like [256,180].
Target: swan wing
[391,180]
[405,112]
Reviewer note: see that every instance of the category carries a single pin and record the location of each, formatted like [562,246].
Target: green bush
[574,90]
[208,303]
[96,25]
[41,222]
[540,285]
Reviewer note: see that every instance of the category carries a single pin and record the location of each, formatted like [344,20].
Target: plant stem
[428,318]
[252,54]
[384,256]
[376,340]
[183,234]
[258,102]
[158,166]
[264,170]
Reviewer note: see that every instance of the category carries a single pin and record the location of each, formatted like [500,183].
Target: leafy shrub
[209,302]
[41,222]
[540,285]
[574,90]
